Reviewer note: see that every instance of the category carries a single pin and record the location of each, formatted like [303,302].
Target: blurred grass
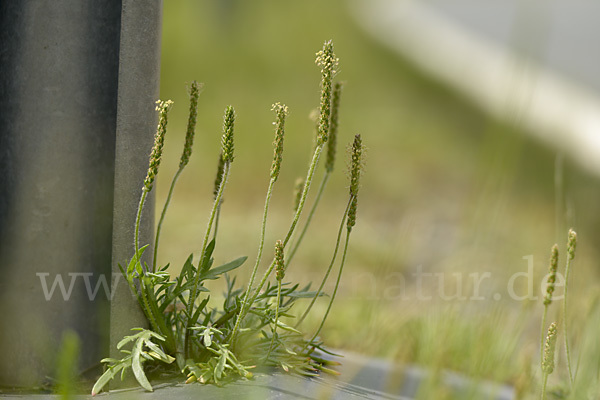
[446,187]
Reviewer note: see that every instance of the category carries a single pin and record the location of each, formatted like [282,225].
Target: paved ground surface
[362,378]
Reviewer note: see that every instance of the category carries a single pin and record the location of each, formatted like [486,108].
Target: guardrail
[561,113]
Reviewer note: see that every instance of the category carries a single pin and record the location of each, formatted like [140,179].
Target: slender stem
[337,284]
[214,209]
[194,291]
[558,194]
[577,367]
[276,320]
[148,309]
[545,381]
[309,217]
[543,338]
[143,301]
[138,218]
[565,316]
[136,244]
[162,217]
[256,292]
[307,182]
[158,318]
[154,317]
[134,289]
[217,217]
[337,245]
[257,263]
[142,295]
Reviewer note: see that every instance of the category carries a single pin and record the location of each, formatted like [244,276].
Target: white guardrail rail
[563,113]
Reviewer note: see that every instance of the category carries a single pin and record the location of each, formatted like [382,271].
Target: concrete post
[77,84]
[139,74]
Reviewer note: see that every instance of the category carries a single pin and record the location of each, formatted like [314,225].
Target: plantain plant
[548,345]
[207,343]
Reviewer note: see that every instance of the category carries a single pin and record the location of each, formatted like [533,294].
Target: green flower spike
[195,89]
[194,92]
[279,264]
[548,359]
[355,172]
[227,156]
[333,126]
[281,111]
[219,177]
[298,188]
[572,244]
[328,63]
[548,296]
[163,108]
[552,275]
[227,139]
[549,348]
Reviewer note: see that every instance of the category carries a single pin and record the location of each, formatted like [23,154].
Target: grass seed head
[356,165]
[328,63]
[549,349]
[333,126]
[352,213]
[281,112]
[279,264]
[163,108]
[227,139]
[195,89]
[219,177]
[571,244]
[298,188]
[551,275]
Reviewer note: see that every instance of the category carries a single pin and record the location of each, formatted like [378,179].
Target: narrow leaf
[215,272]
[287,327]
[207,339]
[188,266]
[221,364]
[155,349]
[135,260]
[205,260]
[126,340]
[162,357]
[306,295]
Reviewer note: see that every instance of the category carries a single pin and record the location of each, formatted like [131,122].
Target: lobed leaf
[137,368]
[108,375]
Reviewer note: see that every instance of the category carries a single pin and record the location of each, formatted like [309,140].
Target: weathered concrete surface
[139,76]
[59,63]
[78,82]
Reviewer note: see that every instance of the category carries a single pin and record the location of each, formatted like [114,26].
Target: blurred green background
[446,188]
